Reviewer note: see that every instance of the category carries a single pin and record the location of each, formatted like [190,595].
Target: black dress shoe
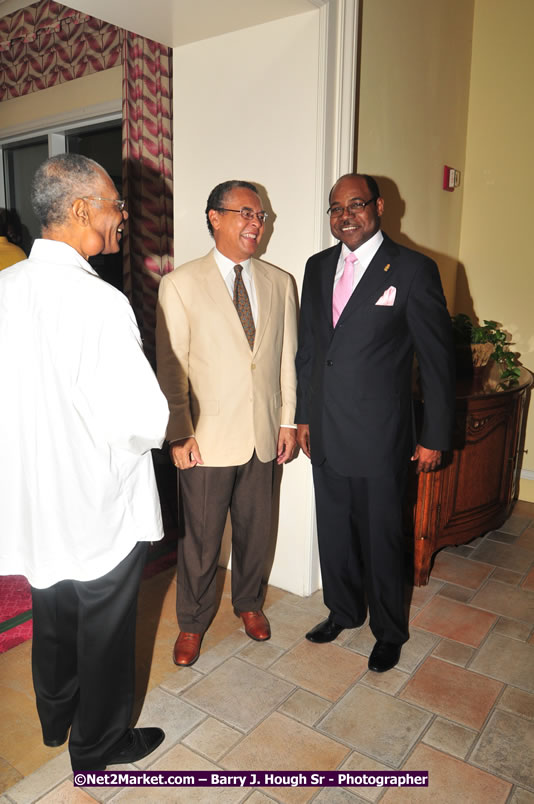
[384,656]
[55,742]
[136,744]
[326,631]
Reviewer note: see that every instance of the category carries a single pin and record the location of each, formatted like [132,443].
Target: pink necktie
[343,289]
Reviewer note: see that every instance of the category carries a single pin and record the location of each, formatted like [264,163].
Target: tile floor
[460,703]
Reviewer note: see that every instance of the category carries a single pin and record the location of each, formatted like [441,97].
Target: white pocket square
[387,299]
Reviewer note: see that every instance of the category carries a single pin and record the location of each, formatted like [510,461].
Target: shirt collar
[367,250]
[226,266]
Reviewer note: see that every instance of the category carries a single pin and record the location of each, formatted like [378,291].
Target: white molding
[337,82]
[87,115]
[527,474]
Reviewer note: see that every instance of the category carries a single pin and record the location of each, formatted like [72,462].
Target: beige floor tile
[212,739]
[506,576]
[375,724]
[456,621]
[516,523]
[180,679]
[361,640]
[506,747]
[326,670]
[172,714]
[261,654]
[460,593]
[453,692]
[506,600]
[359,762]
[66,793]
[506,660]
[521,796]
[8,775]
[508,556]
[314,604]
[390,682]
[462,550]
[512,629]
[450,780]
[282,744]
[336,795]
[454,652]
[259,798]
[305,707]
[42,781]
[421,595]
[450,737]
[290,623]
[517,702]
[501,536]
[460,571]
[238,694]
[414,651]
[211,657]
[182,759]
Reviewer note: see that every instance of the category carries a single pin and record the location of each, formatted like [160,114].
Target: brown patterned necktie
[242,305]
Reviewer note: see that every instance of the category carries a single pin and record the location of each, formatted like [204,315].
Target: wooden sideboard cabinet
[476,487]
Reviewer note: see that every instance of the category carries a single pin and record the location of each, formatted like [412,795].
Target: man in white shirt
[81,410]
[226,341]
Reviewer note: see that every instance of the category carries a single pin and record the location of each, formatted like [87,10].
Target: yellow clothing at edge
[9,253]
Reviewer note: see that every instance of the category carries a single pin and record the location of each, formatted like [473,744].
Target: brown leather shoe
[256,625]
[187,648]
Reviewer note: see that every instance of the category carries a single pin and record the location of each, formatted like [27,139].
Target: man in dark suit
[367,305]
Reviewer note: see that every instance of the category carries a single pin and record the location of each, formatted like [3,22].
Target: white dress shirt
[364,253]
[80,411]
[226,267]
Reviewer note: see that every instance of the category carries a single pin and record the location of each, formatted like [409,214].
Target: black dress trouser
[83,658]
[361,550]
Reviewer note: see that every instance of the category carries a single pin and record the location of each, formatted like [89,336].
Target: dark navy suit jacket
[355,381]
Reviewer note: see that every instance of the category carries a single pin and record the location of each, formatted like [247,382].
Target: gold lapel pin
[387,267]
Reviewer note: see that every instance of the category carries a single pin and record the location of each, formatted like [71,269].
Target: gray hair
[58,182]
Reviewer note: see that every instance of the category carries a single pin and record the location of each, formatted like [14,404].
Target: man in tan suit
[226,342]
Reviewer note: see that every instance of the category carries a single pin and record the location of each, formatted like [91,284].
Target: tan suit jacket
[233,400]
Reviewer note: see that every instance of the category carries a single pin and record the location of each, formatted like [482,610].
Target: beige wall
[71,97]
[497,276]
[246,106]
[414,91]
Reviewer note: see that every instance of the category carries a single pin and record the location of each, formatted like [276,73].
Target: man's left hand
[287,439]
[427,459]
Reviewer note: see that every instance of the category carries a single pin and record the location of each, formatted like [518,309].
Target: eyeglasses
[118,201]
[247,213]
[355,206]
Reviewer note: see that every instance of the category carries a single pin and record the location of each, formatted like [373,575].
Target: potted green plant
[484,342]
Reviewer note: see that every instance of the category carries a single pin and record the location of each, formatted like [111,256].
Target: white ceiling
[177,22]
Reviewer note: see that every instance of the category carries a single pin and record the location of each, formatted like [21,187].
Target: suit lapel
[264,293]
[216,289]
[377,278]
[326,282]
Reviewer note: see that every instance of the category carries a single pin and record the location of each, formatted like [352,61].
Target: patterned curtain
[47,44]
[147,176]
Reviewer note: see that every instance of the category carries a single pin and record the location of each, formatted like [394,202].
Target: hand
[287,441]
[185,453]
[303,438]
[427,459]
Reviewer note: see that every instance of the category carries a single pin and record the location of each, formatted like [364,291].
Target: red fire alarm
[448,178]
[451,178]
